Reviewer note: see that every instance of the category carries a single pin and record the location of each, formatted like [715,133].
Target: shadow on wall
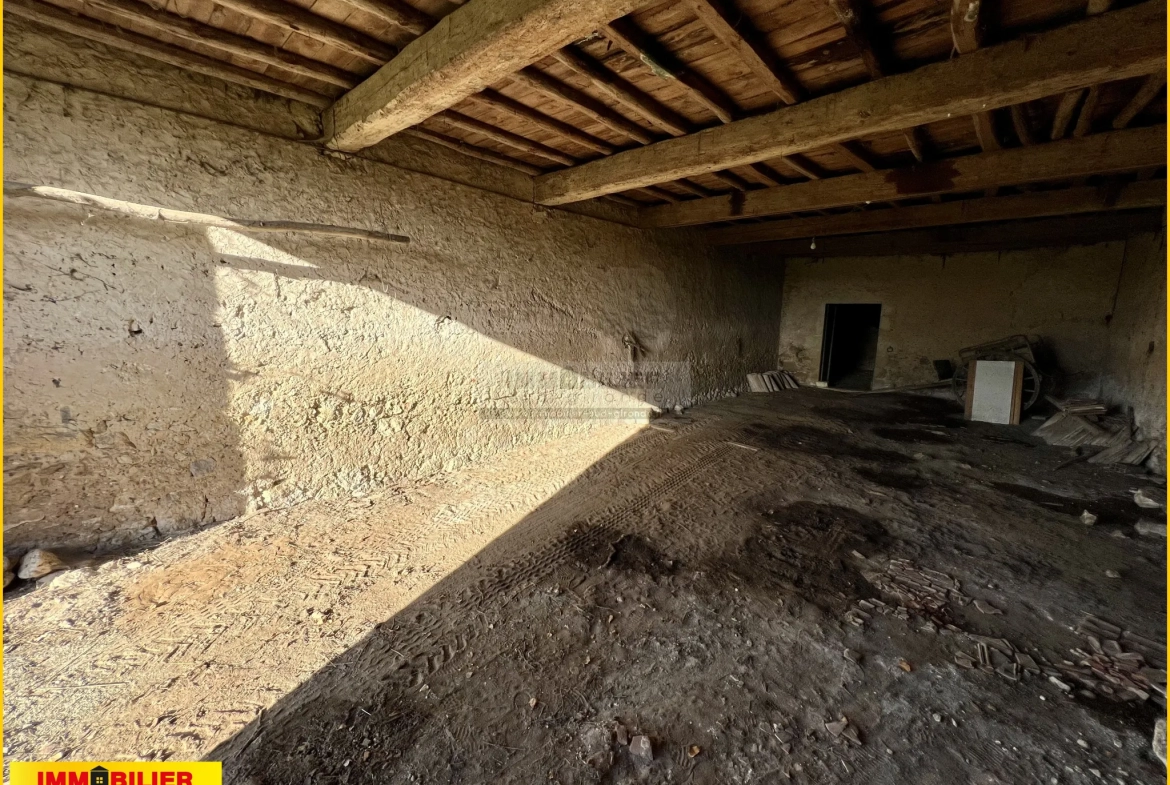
[160,377]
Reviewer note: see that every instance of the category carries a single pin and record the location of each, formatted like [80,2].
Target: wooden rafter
[1022,124]
[1064,113]
[858,30]
[1151,193]
[1118,45]
[737,34]
[1088,108]
[508,138]
[473,151]
[587,105]
[295,19]
[1151,86]
[1116,151]
[57,19]
[490,99]
[474,47]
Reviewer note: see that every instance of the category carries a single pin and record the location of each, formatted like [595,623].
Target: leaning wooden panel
[1117,45]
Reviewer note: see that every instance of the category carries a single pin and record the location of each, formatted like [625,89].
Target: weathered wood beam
[297,20]
[623,92]
[1088,108]
[473,151]
[858,30]
[1150,88]
[916,143]
[732,30]
[396,13]
[583,103]
[968,24]
[1117,45]
[490,99]
[1057,232]
[853,153]
[471,48]
[733,180]
[803,166]
[1116,151]
[1064,113]
[53,17]
[1151,193]
[692,188]
[626,35]
[192,32]
[1022,124]
[466,123]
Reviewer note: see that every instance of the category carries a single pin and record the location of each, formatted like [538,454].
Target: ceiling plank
[1150,193]
[296,19]
[736,33]
[508,138]
[623,92]
[473,151]
[1150,88]
[1058,232]
[51,16]
[473,47]
[1064,113]
[626,35]
[395,12]
[858,29]
[1116,151]
[1117,45]
[585,104]
[193,32]
[1088,108]
[490,99]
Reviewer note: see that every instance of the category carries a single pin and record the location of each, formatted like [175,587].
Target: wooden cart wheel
[1033,380]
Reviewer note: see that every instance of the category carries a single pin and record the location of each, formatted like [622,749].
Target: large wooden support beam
[471,48]
[1150,193]
[1117,45]
[1116,151]
[1056,232]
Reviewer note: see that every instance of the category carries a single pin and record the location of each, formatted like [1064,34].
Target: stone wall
[161,377]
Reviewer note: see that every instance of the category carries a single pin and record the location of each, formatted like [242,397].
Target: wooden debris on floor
[1085,423]
[771,381]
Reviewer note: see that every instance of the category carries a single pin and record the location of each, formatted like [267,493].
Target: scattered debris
[38,563]
[1087,425]
[9,575]
[1150,528]
[905,666]
[622,735]
[842,729]
[1112,574]
[853,656]
[1088,518]
[1159,743]
[693,750]
[771,381]
[988,608]
[532,703]
[1150,498]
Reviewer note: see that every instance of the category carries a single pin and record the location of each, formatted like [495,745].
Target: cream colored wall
[159,377]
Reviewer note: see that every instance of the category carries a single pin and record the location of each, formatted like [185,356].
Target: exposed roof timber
[858,29]
[473,151]
[1088,108]
[1022,124]
[297,20]
[1149,193]
[626,34]
[1061,231]
[968,23]
[505,137]
[471,48]
[586,104]
[50,16]
[1118,45]
[394,12]
[493,100]
[737,34]
[1064,113]
[1116,151]
[1151,86]
[190,31]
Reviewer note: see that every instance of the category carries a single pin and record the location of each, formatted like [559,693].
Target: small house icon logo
[99,775]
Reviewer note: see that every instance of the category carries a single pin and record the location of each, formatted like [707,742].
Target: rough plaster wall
[1136,366]
[161,376]
[932,306]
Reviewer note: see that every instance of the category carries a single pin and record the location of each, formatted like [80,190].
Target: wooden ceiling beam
[626,35]
[859,32]
[1022,124]
[1151,193]
[968,24]
[473,47]
[1058,232]
[1151,86]
[491,99]
[1116,151]
[295,19]
[1064,113]
[508,138]
[1118,45]
[192,32]
[1088,109]
[623,92]
[585,104]
[736,33]
[857,157]
[395,12]
[473,151]
[51,16]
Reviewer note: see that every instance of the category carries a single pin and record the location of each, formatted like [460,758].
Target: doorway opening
[849,345]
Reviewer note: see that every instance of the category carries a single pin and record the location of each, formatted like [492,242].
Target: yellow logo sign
[170,773]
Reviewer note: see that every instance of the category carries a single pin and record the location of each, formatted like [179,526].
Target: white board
[993,391]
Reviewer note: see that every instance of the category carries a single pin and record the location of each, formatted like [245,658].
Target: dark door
[849,345]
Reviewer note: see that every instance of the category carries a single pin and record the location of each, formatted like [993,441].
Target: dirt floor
[806,586]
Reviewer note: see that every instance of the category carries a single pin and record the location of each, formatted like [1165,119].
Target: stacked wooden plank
[771,381]
[1085,423]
